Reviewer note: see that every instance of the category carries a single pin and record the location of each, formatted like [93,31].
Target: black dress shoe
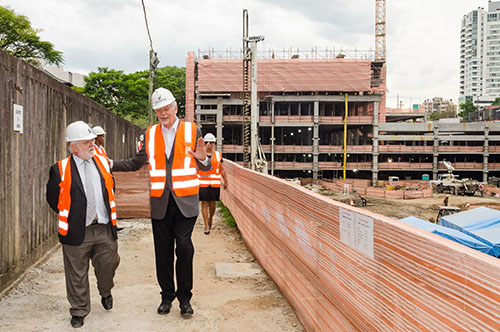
[186,309]
[107,302]
[164,307]
[77,321]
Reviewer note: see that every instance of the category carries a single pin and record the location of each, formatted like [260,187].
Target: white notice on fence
[18,118]
[364,235]
[347,227]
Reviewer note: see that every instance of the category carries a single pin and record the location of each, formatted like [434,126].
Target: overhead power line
[147,26]
[153,63]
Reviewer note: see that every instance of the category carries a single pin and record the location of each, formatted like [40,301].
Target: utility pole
[153,63]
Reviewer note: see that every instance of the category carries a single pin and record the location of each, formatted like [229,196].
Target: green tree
[174,79]
[467,108]
[436,115]
[20,39]
[127,94]
[496,102]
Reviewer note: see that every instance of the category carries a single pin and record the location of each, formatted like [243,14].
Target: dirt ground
[38,302]
[424,208]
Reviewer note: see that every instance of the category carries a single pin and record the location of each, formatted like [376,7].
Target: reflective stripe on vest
[101,151]
[184,179]
[103,165]
[212,177]
[64,202]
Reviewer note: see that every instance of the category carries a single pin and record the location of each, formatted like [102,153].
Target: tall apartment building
[480,55]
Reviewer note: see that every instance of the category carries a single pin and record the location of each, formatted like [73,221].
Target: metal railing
[314,53]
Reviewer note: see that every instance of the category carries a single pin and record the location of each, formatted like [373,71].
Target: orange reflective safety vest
[101,151]
[184,171]
[213,176]
[64,203]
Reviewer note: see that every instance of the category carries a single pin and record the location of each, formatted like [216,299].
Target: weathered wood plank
[29,227]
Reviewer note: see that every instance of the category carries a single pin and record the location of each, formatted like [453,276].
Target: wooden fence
[28,226]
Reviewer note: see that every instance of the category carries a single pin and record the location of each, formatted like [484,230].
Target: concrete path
[227,303]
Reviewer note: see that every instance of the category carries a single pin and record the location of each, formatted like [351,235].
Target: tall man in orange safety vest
[210,182]
[80,190]
[175,150]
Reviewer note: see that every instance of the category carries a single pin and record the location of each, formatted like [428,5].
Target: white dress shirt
[102,212]
[169,137]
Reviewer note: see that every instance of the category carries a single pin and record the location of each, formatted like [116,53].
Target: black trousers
[172,234]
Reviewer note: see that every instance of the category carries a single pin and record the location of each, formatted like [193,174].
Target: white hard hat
[209,138]
[97,130]
[162,97]
[79,131]
[141,138]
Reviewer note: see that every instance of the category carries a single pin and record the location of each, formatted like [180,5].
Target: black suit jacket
[78,208]
[188,205]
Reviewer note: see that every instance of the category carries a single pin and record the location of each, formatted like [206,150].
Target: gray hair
[70,146]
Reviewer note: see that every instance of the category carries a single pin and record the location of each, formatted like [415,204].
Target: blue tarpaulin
[481,223]
[451,234]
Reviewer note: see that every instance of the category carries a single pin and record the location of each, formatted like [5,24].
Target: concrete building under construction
[302,106]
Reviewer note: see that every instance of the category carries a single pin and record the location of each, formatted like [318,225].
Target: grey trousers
[100,247]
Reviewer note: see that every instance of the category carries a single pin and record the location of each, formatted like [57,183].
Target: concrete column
[485,154]
[375,145]
[316,141]
[435,151]
[198,117]
[219,124]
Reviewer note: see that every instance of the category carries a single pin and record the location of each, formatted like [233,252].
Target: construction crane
[380,50]
[253,156]
[380,31]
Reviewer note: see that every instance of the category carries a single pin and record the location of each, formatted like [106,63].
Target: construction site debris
[494,181]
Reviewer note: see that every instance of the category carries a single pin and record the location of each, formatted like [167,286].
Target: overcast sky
[422,36]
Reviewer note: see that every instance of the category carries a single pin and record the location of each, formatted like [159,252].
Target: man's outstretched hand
[200,153]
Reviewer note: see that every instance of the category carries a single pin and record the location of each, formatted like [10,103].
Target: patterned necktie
[90,192]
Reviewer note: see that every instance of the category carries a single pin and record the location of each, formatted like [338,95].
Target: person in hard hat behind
[80,190]
[99,141]
[99,149]
[210,182]
[140,143]
[175,149]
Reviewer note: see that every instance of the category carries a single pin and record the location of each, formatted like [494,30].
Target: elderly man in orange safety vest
[210,182]
[80,190]
[175,151]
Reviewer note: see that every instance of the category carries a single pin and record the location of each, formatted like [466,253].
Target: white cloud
[422,36]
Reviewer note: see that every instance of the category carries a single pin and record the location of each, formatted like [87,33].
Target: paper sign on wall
[18,118]
[356,230]
[364,234]
[347,227]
